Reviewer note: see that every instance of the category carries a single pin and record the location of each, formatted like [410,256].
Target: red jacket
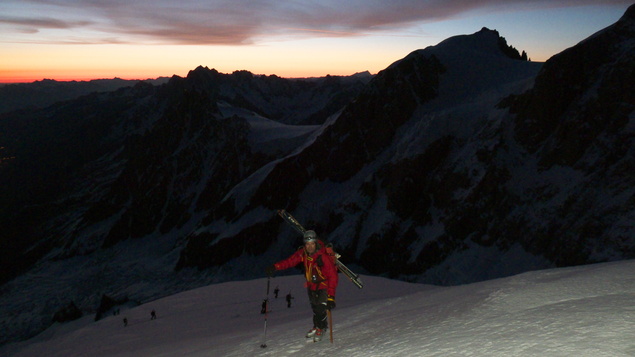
[318,264]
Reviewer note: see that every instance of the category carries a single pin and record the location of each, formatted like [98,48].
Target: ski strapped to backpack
[354,278]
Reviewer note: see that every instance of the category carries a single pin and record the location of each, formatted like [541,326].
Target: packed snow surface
[579,311]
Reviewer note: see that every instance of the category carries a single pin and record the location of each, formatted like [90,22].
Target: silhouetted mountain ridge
[40,94]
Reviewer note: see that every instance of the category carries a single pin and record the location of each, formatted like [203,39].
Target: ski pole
[264,341]
[330,324]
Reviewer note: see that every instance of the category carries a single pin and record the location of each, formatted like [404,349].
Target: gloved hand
[330,302]
[270,270]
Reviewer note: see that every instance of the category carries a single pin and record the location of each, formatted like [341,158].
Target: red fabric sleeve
[290,262]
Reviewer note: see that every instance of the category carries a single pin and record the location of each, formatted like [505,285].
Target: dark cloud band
[239,22]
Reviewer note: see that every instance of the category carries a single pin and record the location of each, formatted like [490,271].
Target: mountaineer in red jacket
[321,279]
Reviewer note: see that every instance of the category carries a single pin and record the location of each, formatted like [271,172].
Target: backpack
[330,253]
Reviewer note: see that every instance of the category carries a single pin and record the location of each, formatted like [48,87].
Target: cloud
[240,22]
[42,22]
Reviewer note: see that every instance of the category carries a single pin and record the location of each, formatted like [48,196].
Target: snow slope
[578,311]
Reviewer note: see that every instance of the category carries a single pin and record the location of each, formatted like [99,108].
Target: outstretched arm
[290,262]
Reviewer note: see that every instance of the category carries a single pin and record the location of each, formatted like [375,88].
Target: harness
[312,270]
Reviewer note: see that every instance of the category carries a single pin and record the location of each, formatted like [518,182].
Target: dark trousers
[317,298]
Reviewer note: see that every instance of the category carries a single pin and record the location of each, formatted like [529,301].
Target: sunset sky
[91,39]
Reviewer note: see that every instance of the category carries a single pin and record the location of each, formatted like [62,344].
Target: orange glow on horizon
[22,78]
[66,74]
[17,78]
[307,58]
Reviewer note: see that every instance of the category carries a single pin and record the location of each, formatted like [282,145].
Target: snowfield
[579,311]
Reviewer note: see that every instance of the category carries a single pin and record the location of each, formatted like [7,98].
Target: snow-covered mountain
[129,174]
[460,162]
[578,311]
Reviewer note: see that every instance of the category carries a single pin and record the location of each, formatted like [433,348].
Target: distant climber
[263,308]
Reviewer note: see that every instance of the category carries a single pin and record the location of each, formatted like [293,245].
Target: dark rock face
[68,313]
[580,93]
[579,116]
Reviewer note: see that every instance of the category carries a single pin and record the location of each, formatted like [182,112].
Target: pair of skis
[354,278]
